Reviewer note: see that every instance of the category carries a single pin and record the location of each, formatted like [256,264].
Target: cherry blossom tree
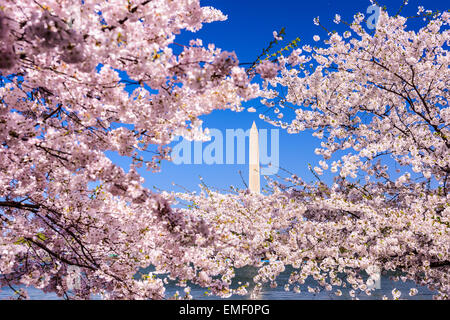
[83,78]
[379,103]
[79,78]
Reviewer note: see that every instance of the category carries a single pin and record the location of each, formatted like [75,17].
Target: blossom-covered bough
[79,78]
[379,103]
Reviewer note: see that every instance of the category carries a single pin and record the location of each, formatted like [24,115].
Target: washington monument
[253,169]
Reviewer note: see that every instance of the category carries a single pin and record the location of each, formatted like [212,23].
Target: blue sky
[247,31]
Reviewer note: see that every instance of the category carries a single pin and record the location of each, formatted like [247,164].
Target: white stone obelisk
[253,169]
[375,277]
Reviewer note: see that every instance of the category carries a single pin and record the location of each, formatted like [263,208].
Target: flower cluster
[267,69]
[51,32]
